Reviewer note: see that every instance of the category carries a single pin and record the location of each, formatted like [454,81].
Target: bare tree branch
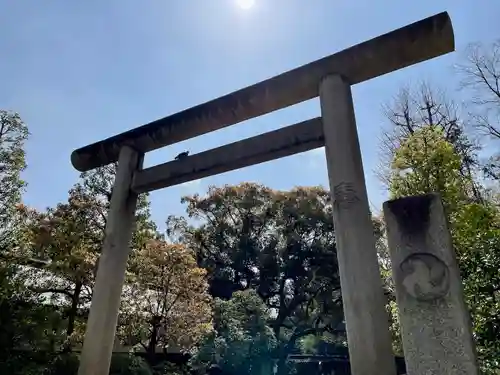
[480,78]
[412,109]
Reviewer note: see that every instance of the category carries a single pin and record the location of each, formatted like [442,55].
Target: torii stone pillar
[367,323]
[101,325]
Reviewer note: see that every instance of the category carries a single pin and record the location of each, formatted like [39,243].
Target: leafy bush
[127,364]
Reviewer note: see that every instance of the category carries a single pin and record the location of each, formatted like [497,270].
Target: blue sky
[80,71]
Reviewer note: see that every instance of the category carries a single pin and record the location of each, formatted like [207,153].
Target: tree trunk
[153,341]
[73,310]
[75,301]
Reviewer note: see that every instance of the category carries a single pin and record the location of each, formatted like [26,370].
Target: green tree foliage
[67,364]
[476,235]
[23,320]
[426,162]
[126,364]
[242,342]
[13,135]
[279,243]
[98,183]
[428,116]
[29,331]
[268,256]
[427,107]
[388,284]
[68,239]
[166,301]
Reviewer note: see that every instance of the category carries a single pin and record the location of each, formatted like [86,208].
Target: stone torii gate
[330,78]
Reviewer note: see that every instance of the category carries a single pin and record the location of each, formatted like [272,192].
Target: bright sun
[245,4]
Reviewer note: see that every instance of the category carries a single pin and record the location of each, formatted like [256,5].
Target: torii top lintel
[417,42]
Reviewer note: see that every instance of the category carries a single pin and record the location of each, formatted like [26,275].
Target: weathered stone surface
[287,141]
[101,326]
[369,341]
[367,323]
[422,40]
[435,322]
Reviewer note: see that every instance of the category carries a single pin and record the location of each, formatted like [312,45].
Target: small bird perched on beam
[182,155]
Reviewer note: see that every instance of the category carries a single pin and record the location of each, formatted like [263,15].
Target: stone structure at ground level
[329,78]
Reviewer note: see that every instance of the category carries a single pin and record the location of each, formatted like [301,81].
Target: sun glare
[245,4]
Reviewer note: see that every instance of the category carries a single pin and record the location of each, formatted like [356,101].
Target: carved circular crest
[425,277]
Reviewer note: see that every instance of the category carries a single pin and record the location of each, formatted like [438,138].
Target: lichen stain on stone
[412,213]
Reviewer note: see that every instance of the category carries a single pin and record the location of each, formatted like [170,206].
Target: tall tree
[480,80]
[19,314]
[13,135]
[98,183]
[480,76]
[242,341]
[279,243]
[166,301]
[421,107]
[68,238]
[426,162]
